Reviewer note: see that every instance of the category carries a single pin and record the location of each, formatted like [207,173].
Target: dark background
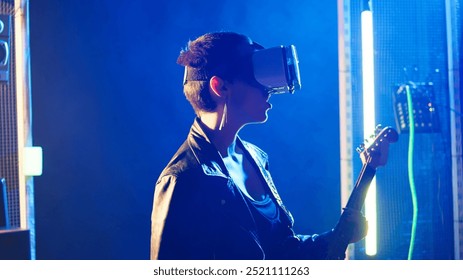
[109,112]
[410,43]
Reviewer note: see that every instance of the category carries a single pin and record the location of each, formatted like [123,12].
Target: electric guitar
[373,156]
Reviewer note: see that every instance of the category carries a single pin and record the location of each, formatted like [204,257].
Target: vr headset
[277,69]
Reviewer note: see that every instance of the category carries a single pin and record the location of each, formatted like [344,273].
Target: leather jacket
[199,213]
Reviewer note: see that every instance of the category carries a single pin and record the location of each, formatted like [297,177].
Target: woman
[216,198]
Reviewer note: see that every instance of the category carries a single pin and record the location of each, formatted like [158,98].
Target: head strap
[195,74]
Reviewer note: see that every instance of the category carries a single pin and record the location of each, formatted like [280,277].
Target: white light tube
[369,122]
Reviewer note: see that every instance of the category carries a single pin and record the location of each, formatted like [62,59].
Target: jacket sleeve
[179,223]
[306,247]
[162,196]
[351,227]
[315,246]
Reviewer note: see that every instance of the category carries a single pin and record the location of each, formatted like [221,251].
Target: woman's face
[248,102]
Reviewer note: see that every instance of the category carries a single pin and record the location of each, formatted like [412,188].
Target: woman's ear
[217,86]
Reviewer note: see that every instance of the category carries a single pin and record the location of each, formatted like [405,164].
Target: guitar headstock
[375,153]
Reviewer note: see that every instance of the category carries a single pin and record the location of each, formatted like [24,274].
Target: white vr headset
[276,69]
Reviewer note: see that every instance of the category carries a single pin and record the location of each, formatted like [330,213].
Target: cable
[410,171]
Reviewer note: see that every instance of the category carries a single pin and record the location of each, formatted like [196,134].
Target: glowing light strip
[369,122]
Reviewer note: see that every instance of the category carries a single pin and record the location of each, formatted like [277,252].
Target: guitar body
[372,157]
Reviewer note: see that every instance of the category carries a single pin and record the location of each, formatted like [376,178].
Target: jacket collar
[212,164]
[261,159]
[209,158]
[205,152]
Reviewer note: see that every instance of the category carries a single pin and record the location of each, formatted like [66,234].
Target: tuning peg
[378,128]
[360,148]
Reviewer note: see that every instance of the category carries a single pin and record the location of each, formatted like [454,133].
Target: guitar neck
[372,157]
[337,249]
[357,197]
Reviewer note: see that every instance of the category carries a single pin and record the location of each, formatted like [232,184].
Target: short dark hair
[223,54]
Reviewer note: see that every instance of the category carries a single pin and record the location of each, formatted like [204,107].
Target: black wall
[109,112]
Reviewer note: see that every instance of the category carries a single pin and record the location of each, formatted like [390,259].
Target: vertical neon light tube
[369,122]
